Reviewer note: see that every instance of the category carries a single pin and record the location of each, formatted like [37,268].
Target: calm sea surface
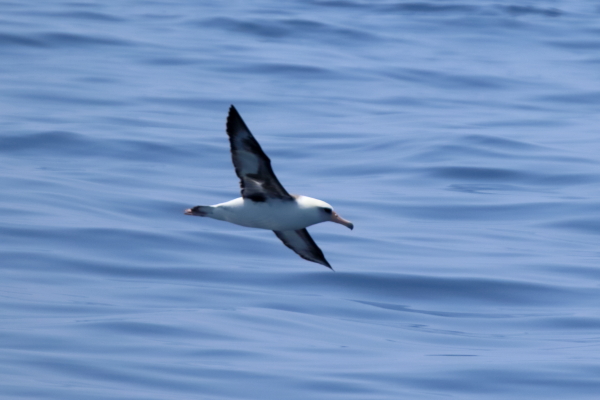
[461,138]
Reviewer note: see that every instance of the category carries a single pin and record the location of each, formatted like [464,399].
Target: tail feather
[199,211]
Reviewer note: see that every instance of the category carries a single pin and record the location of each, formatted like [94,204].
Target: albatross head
[334,217]
[324,210]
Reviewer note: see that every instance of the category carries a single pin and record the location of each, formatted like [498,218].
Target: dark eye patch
[327,210]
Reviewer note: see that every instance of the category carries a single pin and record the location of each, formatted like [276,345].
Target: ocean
[461,139]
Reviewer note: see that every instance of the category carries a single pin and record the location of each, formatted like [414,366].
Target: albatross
[265,204]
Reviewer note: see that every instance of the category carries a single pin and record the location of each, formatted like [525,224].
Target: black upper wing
[252,166]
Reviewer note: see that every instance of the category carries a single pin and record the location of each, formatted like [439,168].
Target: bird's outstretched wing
[252,166]
[301,242]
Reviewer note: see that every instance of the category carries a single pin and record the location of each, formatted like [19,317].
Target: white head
[322,211]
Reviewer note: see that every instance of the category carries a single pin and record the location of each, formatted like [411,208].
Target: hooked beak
[188,212]
[339,220]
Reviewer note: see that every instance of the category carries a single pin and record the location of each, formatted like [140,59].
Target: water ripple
[60,39]
[289,28]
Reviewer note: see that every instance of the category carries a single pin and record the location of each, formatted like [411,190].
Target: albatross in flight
[265,203]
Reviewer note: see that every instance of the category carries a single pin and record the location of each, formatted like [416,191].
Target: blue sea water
[461,138]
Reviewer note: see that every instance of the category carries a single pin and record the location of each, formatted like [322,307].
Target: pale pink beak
[337,219]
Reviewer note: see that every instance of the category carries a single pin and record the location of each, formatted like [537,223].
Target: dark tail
[199,211]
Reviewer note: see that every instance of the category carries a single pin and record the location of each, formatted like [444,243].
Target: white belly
[275,215]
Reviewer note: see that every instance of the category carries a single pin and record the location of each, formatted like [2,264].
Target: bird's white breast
[274,214]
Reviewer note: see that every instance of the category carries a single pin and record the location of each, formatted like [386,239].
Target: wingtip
[235,121]
[234,114]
